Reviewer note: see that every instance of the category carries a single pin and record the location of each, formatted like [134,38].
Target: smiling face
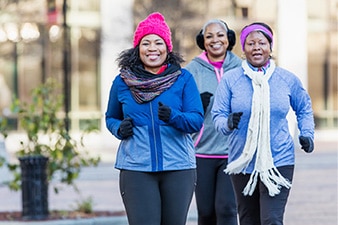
[153,52]
[215,42]
[257,49]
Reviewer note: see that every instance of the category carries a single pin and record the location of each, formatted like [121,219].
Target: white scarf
[258,137]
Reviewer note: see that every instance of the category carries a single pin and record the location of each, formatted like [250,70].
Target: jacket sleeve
[190,119]
[301,104]
[114,114]
[221,107]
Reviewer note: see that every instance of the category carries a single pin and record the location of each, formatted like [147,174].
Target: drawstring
[219,74]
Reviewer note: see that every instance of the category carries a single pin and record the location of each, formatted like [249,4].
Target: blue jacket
[234,94]
[156,145]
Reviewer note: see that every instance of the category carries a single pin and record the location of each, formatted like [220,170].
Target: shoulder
[119,83]
[186,78]
[234,73]
[118,79]
[235,76]
[281,71]
[231,61]
[185,73]
[196,63]
[192,63]
[234,58]
[286,76]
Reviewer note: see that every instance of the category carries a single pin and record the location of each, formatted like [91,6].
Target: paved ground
[313,199]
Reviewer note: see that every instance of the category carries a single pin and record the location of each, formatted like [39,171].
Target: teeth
[217,46]
[153,57]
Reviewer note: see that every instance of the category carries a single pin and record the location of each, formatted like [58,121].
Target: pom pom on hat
[153,24]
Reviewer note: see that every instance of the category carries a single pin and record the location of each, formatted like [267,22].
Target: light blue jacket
[234,94]
[156,145]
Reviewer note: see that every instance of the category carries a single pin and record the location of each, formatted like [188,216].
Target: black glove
[306,143]
[205,97]
[163,112]
[126,128]
[233,120]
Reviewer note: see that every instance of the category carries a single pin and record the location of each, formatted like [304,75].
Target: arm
[114,114]
[190,118]
[301,104]
[221,107]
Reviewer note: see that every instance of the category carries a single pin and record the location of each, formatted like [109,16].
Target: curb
[110,220]
[116,220]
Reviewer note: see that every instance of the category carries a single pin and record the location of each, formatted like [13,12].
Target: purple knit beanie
[153,24]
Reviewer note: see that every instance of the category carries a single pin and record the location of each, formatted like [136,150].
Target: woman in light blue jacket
[251,106]
[153,107]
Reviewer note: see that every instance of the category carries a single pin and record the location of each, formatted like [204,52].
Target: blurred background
[77,43]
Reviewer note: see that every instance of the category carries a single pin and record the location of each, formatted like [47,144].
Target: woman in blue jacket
[251,106]
[153,107]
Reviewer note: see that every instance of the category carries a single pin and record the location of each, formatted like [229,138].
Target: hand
[164,112]
[126,128]
[233,120]
[205,97]
[306,143]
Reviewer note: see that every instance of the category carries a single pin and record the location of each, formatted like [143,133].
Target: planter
[34,187]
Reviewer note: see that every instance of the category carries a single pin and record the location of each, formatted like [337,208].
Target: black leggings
[260,208]
[215,198]
[157,198]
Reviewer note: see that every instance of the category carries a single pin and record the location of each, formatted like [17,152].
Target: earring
[243,56]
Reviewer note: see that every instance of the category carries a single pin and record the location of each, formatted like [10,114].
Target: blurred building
[77,42]
[38,40]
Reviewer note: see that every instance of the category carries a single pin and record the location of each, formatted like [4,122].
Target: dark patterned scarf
[145,86]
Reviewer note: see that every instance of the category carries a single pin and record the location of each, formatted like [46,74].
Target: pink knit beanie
[153,24]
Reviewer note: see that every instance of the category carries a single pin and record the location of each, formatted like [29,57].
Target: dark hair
[264,25]
[131,57]
[230,34]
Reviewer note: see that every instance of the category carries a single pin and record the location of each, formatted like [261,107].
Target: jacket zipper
[154,136]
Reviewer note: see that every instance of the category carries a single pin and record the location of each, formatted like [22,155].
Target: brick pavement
[313,198]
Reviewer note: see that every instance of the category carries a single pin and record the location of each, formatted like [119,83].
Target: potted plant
[47,150]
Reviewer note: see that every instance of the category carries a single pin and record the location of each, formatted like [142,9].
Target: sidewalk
[313,198]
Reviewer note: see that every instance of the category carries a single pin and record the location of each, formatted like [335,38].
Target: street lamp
[66,64]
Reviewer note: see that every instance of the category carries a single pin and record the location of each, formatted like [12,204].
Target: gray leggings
[157,198]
